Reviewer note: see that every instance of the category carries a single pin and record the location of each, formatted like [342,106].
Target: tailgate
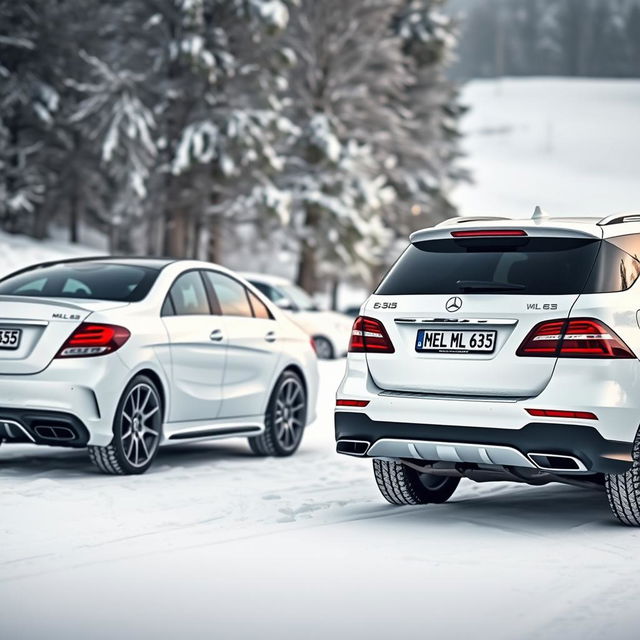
[458,307]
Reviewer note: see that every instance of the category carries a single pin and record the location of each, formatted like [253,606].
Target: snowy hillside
[17,252]
[571,146]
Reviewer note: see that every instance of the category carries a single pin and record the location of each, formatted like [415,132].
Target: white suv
[500,349]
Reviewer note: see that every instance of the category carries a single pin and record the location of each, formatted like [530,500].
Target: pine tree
[343,101]
[427,158]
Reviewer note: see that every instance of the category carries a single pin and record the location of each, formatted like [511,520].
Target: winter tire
[402,485]
[324,348]
[623,491]
[137,429]
[285,419]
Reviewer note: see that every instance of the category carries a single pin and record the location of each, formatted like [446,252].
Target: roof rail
[459,220]
[619,218]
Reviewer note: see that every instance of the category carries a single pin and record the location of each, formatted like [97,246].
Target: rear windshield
[118,282]
[515,266]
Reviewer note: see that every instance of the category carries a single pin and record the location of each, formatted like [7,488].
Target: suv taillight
[90,340]
[575,338]
[369,336]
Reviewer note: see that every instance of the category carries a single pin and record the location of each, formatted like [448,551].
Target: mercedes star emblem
[453,304]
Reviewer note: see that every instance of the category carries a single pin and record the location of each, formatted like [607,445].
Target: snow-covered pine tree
[213,83]
[427,160]
[343,99]
[29,106]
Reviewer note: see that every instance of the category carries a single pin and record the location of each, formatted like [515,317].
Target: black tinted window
[231,295]
[506,265]
[189,296]
[95,281]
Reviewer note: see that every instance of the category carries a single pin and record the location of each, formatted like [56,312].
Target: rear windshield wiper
[487,285]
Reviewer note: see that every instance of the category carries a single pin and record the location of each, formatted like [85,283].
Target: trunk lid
[43,325]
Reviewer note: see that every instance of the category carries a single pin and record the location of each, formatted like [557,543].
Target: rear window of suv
[94,281]
[512,266]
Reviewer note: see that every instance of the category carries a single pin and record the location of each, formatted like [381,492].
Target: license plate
[456,341]
[10,338]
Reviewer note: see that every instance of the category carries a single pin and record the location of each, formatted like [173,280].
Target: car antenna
[539,214]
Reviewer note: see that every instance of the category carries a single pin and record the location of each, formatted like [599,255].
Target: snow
[214,542]
[17,252]
[571,146]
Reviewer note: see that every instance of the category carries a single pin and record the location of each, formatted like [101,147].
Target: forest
[314,130]
[584,38]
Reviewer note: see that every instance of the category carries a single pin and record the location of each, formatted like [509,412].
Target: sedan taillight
[369,336]
[90,340]
[575,338]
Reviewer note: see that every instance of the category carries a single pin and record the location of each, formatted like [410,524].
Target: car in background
[124,355]
[330,330]
[352,311]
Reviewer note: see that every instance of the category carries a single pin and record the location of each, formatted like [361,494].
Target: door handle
[271,336]
[216,336]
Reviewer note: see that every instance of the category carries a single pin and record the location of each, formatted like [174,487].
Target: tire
[324,348]
[623,491]
[284,420]
[402,485]
[137,431]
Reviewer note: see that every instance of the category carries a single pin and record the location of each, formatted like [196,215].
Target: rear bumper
[51,428]
[604,445]
[72,394]
[483,445]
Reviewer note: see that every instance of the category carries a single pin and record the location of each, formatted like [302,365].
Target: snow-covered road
[216,543]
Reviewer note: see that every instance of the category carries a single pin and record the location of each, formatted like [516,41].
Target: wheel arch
[157,380]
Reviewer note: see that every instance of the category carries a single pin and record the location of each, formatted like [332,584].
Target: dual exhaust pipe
[559,463]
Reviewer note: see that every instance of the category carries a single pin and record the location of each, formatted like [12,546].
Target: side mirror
[286,304]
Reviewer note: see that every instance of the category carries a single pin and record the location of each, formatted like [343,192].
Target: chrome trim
[18,321]
[357,455]
[9,423]
[449,452]
[214,431]
[581,466]
[449,397]
[465,321]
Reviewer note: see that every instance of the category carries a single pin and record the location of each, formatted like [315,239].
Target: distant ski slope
[572,146]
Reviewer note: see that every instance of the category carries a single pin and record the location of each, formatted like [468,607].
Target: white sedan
[121,356]
[330,330]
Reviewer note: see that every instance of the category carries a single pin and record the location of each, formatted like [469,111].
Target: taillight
[575,338]
[490,233]
[90,340]
[369,336]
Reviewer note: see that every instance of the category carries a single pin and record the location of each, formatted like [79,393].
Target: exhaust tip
[352,447]
[556,462]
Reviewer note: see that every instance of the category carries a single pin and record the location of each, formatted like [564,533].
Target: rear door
[198,347]
[457,309]
[253,351]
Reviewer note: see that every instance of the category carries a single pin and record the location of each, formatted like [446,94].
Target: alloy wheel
[141,422]
[289,416]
